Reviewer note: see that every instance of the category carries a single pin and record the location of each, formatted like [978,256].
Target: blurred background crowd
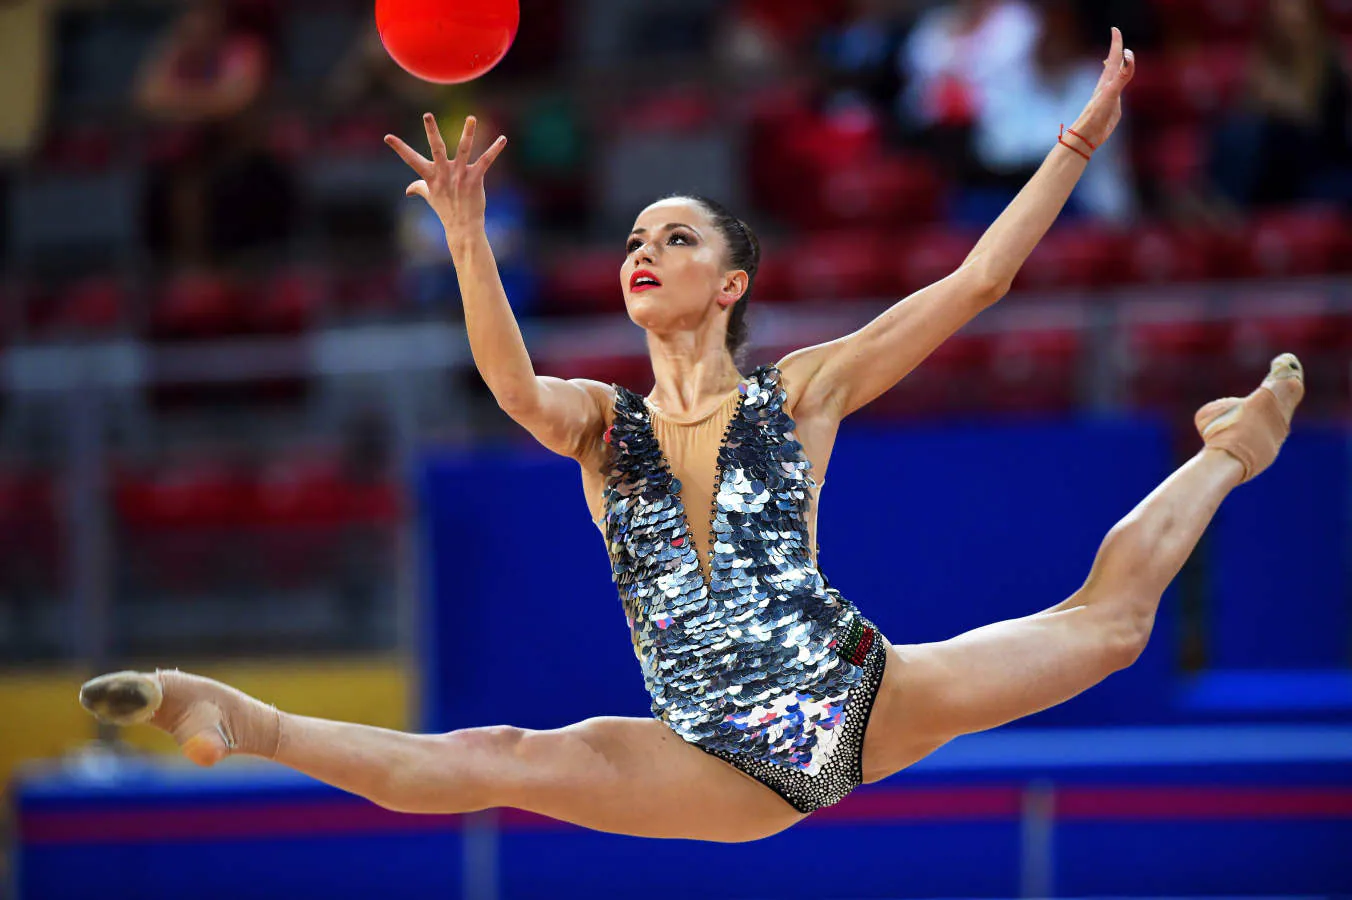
[223,328]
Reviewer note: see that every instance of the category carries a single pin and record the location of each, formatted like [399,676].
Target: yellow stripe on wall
[41,716]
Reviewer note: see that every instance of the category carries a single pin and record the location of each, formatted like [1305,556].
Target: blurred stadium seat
[842,264]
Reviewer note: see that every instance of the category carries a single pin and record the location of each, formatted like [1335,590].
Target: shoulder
[603,399]
[798,377]
[601,393]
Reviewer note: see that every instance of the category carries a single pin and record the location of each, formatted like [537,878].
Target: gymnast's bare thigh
[637,777]
[984,678]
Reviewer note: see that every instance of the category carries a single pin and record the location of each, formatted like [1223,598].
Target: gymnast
[772,695]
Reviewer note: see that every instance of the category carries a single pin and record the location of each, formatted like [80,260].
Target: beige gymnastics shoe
[1253,429]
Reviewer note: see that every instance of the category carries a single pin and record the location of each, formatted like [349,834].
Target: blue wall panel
[930,859]
[1202,858]
[1279,562]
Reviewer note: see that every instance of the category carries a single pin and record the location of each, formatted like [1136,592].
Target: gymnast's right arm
[565,416]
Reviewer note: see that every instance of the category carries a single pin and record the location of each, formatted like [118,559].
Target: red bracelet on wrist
[1071,131]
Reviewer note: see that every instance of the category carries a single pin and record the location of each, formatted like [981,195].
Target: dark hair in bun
[743,253]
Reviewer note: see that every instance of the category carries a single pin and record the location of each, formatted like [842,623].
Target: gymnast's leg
[630,776]
[934,692]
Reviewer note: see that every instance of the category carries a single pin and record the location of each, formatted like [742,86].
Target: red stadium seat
[287,303]
[845,138]
[368,291]
[1209,20]
[1075,255]
[879,192]
[811,154]
[774,278]
[1162,254]
[682,110]
[634,372]
[1174,157]
[92,305]
[179,525]
[1298,242]
[1191,86]
[30,520]
[583,281]
[923,257]
[774,116]
[843,265]
[196,306]
[1178,364]
[1036,371]
[954,380]
[315,491]
[195,495]
[1323,341]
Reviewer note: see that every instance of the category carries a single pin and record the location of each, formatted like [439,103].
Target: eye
[634,244]
[680,236]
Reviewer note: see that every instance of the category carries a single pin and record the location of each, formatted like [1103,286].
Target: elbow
[986,284]
[988,288]
[992,290]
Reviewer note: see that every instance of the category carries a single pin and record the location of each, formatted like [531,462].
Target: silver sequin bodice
[756,659]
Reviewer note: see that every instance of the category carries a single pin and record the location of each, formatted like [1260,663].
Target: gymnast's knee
[1121,619]
[1128,630]
[455,772]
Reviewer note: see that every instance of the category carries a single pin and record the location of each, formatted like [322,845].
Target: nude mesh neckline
[653,408]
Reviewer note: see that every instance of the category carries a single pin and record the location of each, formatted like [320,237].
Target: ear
[734,286]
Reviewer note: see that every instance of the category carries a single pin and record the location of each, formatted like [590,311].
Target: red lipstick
[648,279]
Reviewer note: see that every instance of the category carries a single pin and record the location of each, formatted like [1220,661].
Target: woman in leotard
[772,695]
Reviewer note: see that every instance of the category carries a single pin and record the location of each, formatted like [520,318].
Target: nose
[644,253]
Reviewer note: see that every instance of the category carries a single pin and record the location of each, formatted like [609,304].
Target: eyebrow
[668,227]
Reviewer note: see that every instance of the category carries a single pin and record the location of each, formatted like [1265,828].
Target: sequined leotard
[762,664]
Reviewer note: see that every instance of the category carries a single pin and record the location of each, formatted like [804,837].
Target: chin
[646,311]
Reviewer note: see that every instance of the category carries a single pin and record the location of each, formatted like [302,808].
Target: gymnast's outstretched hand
[454,188]
[1104,109]
[565,416]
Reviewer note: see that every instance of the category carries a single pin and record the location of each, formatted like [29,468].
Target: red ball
[447,41]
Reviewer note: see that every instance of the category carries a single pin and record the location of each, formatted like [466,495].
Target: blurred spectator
[1016,125]
[951,61]
[25,46]
[1292,139]
[217,189]
[857,56]
[367,78]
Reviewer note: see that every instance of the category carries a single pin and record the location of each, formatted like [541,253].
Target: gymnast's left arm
[836,378]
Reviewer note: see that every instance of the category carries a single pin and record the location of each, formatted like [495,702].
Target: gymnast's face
[675,275]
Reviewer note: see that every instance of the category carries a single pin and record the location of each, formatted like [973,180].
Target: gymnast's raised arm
[839,377]
[565,416]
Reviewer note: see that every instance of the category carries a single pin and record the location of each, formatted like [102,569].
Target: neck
[690,371]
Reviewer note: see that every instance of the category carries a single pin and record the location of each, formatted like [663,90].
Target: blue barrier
[1060,812]
[1280,550]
